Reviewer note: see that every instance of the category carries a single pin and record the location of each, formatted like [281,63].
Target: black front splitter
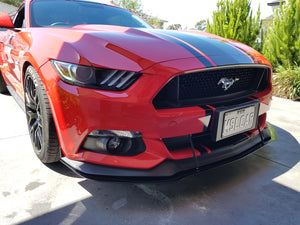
[170,170]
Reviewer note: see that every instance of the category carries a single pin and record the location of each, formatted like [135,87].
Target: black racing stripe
[252,57]
[249,133]
[201,150]
[253,97]
[217,50]
[200,57]
[208,111]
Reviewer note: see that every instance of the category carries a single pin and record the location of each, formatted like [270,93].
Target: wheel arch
[25,67]
[3,87]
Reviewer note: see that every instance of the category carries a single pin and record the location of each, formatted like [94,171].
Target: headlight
[74,74]
[96,78]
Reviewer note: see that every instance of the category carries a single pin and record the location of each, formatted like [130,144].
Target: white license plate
[229,122]
[238,121]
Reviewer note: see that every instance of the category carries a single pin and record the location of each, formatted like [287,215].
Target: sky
[189,12]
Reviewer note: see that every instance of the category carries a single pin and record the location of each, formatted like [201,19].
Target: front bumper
[170,170]
[78,111]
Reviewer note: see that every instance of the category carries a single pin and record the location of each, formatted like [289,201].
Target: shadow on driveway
[243,192]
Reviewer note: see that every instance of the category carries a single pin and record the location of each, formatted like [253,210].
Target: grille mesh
[205,84]
[203,88]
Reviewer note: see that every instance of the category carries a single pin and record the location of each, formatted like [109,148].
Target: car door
[14,48]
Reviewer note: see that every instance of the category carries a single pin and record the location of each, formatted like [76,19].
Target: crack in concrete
[7,138]
[156,194]
[281,164]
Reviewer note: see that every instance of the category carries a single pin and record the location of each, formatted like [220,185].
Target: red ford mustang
[116,99]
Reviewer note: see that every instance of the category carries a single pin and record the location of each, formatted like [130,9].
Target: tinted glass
[72,13]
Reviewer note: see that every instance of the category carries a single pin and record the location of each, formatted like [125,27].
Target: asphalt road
[263,188]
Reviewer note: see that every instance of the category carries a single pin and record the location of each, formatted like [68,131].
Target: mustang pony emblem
[227,83]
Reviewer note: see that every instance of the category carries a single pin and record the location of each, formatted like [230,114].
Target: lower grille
[206,87]
[200,140]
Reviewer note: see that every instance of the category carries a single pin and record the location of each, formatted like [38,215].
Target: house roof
[274,3]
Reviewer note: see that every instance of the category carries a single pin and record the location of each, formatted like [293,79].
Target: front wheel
[3,88]
[40,122]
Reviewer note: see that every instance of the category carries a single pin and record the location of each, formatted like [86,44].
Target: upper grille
[202,87]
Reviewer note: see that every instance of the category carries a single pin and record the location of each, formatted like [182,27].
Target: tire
[3,88]
[40,122]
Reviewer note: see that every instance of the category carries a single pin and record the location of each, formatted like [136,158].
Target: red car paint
[77,111]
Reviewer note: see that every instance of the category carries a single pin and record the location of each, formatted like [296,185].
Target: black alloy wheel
[40,122]
[33,112]
[3,88]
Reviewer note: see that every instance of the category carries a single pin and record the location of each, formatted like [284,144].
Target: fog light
[125,143]
[113,144]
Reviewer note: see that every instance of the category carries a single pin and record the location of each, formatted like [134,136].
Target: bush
[16,3]
[282,41]
[286,83]
[234,19]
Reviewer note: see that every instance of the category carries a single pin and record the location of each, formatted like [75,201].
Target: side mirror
[5,21]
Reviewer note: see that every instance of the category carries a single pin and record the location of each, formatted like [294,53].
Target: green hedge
[12,2]
[286,83]
[282,41]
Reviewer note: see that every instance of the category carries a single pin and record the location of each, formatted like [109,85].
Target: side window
[19,20]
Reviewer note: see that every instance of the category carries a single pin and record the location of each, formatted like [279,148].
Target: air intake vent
[115,80]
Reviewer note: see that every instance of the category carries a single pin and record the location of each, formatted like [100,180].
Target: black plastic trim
[169,96]
[17,98]
[170,170]
[138,147]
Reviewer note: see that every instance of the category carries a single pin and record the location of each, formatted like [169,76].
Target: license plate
[238,121]
[234,121]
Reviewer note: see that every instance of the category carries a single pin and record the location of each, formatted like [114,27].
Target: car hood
[139,49]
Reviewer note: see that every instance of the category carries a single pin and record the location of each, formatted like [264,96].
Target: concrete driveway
[263,188]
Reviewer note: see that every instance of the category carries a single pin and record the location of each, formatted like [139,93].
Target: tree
[282,42]
[155,21]
[132,5]
[16,3]
[234,20]
[174,27]
[137,7]
[201,25]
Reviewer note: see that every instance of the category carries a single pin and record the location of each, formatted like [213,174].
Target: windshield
[71,13]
